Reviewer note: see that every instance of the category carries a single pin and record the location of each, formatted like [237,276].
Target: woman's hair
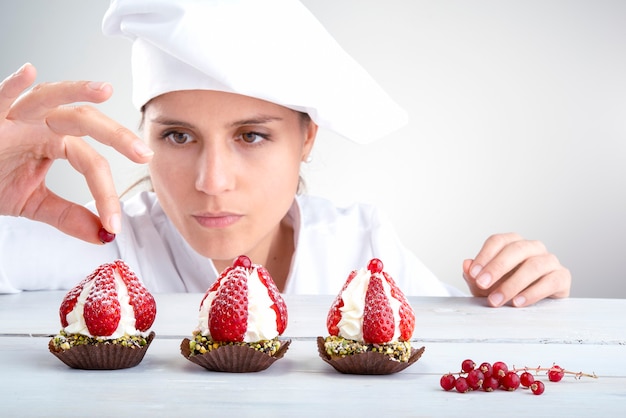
[305,120]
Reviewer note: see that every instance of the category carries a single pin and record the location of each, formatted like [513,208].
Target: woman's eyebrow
[173,122]
[256,120]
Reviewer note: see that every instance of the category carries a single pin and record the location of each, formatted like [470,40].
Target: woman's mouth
[217,220]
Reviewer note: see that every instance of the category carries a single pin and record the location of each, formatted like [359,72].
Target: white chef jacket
[330,242]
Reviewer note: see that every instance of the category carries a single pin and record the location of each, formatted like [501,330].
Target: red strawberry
[228,315]
[279,305]
[102,310]
[334,314]
[141,300]
[378,322]
[407,316]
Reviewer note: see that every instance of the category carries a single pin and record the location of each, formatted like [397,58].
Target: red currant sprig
[490,377]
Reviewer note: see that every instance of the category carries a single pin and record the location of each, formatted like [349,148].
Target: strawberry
[334,314]
[102,309]
[407,316]
[141,300]
[279,305]
[378,322]
[228,315]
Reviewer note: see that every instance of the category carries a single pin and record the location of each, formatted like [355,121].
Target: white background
[518,120]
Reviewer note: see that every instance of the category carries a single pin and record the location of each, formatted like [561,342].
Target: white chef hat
[274,50]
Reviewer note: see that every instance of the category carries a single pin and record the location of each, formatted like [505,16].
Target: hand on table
[510,268]
[39,127]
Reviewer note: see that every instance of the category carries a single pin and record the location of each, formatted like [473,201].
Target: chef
[232,95]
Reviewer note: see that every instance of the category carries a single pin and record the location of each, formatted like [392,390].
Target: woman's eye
[178,138]
[252,137]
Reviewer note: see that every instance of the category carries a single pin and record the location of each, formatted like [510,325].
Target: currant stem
[577,375]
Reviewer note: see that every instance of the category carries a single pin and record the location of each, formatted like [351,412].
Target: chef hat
[274,50]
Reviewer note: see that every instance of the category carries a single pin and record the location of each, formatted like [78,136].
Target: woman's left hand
[510,268]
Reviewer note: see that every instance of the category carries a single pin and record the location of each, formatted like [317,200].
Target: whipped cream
[126,326]
[351,323]
[262,321]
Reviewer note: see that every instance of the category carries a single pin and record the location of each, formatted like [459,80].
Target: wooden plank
[35,383]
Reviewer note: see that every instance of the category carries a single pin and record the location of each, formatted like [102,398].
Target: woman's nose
[216,171]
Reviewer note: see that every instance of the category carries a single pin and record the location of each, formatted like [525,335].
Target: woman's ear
[309,140]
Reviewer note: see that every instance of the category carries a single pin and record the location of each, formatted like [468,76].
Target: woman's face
[225,168]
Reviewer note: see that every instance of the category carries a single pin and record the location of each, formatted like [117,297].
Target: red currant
[375,265]
[461,385]
[475,379]
[468,365]
[486,369]
[537,387]
[242,261]
[105,236]
[555,374]
[499,369]
[526,379]
[510,381]
[447,382]
[490,384]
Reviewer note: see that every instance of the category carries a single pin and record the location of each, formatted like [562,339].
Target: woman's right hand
[40,127]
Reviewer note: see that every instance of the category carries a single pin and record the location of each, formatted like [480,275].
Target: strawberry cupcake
[370,325]
[106,321]
[241,317]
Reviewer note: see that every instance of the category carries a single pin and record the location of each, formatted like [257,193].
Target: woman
[226,132]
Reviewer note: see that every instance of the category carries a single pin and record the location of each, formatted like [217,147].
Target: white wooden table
[586,335]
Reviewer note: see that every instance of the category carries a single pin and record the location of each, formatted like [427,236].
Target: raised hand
[44,124]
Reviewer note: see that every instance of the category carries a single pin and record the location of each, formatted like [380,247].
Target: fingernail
[21,69]
[496,299]
[484,280]
[97,85]
[142,149]
[519,300]
[476,270]
[115,223]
